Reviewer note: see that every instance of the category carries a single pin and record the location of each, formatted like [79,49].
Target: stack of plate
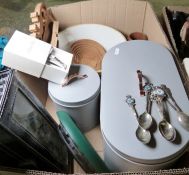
[89,42]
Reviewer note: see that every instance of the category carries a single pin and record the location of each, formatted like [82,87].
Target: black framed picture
[29,136]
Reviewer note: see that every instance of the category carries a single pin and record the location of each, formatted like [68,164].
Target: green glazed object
[87,152]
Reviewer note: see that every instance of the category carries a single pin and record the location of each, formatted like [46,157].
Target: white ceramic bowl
[104,35]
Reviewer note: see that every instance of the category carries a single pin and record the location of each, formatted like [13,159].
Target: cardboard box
[30,55]
[127,16]
[178,61]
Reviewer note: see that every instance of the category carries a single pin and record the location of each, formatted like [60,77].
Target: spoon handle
[175,104]
[148,103]
[134,111]
[161,110]
[172,105]
[169,94]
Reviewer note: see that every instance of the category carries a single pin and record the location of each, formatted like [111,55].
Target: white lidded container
[80,97]
[37,58]
[123,151]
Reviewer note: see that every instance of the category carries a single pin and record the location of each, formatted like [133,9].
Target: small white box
[33,56]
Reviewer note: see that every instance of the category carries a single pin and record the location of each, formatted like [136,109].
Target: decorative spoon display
[161,95]
[142,134]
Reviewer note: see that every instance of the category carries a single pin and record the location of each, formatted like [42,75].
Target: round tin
[80,98]
[123,151]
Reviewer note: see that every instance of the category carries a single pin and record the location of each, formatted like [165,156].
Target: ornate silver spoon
[142,134]
[165,128]
[183,118]
[145,119]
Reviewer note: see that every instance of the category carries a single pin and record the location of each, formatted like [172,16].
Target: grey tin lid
[119,78]
[79,91]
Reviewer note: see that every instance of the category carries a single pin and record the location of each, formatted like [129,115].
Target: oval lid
[78,91]
[117,121]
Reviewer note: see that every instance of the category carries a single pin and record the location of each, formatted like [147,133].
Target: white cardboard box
[30,55]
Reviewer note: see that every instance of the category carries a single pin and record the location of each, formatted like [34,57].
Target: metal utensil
[145,119]
[142,134]
[183,118]
[55,61]
[165,128]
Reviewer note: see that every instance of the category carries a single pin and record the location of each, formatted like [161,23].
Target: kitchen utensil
[142,134]
[165,128]
[183,118]
[145,119]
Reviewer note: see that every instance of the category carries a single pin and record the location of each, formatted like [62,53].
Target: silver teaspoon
[142,134]
[165,128]
[183,118]
[145,119]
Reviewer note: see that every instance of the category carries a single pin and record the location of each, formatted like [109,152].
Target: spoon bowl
[183,118]
[145,120]
[167,130]
[143,135]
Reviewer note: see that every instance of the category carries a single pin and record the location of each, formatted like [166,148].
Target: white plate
[104,35]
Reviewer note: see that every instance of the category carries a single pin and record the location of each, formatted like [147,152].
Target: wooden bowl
[88,52]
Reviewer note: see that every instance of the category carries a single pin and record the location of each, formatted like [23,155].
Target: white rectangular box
[30,55]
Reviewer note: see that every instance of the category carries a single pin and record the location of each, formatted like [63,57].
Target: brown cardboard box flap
[127,16]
